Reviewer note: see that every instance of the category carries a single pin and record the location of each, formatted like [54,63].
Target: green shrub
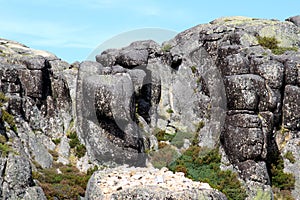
[74,141]
[91,171]
[282,183]
[56,141]
[3,139]
[282,194]
[280,179]
[282,50]
[268,42]
[204,165]
[69,184]
[9,119]
[166,48]
[161,135]
[272,44]
[3,99]
[54,154]
[5,149]
[80,150]
[289,155]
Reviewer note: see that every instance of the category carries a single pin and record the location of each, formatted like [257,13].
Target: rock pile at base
[147,183]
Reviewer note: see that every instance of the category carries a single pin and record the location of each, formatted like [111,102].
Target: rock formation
[232,84]
[147,183]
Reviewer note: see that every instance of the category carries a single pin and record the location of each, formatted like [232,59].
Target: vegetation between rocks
[79,149]
[272,44]
[166,48]
[204,165]
[7,117]
[198,164]
[5,149]
[63,181]
[161,135]
[289,155]
[282,183]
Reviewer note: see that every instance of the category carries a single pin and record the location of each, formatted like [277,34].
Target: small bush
[280,179]
[9,119]
[74,141]
[161,135]
[272,44]
[282,194]
[166,48]
[91,171]
[80,150]
[3,139]
[70,184]
[268,42]
[3,99]
[5,149]
[56,141]
[54,154]
[162,144]
[289,155]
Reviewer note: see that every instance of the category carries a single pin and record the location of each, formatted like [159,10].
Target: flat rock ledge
[147,183]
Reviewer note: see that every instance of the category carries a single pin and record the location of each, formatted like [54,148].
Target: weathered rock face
[213,83]
[37,109]
[219,75]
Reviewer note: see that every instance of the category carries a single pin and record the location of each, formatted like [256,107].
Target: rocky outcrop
[222,76]
[36,103]
[147,183]
[231,84]
[295,20]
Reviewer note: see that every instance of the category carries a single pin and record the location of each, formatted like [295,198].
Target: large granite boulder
[147,183]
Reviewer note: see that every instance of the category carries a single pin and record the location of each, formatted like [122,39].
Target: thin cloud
[47,33]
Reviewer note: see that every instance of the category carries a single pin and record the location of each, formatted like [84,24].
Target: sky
[72,29]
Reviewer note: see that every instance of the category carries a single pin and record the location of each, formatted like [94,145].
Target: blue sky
[72,29]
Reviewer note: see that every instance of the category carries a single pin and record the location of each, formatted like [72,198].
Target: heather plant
[204,165]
